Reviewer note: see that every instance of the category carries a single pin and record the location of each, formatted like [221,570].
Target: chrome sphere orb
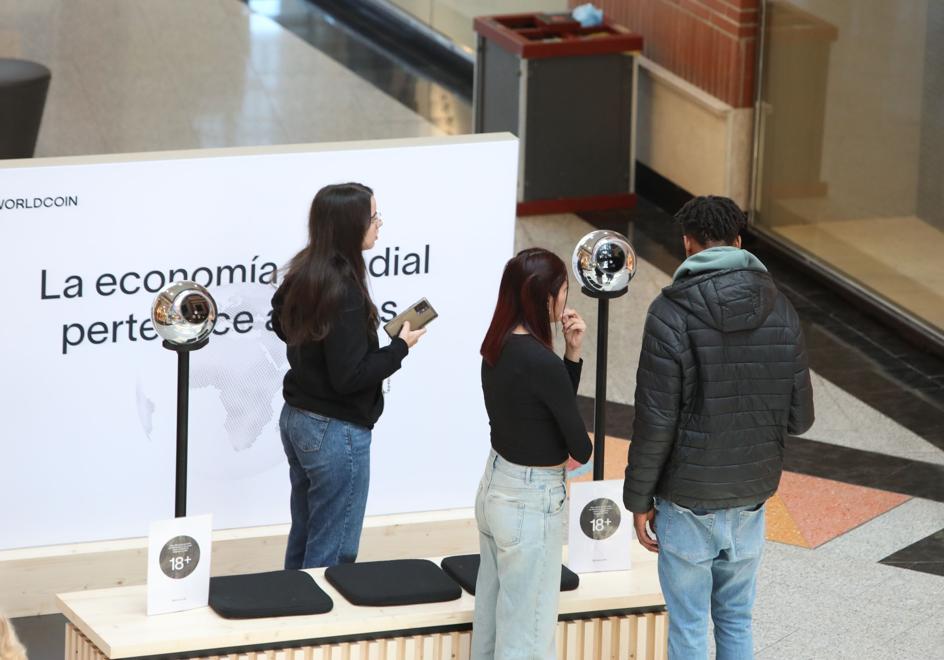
[184,313]
[604,261]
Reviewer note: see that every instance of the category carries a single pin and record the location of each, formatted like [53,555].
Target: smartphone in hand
[418,314]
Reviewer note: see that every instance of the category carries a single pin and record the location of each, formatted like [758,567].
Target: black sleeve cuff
[573,370]
[398,347]
[637,503]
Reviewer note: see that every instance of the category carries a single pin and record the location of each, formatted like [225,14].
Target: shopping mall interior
[824,119]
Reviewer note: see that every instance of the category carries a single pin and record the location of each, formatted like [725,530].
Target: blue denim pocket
[749,536]
[310,430]
[683,532]
[504,514]
[557,497]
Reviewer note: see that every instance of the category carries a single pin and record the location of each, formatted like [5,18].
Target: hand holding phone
[418,315]
[410,336]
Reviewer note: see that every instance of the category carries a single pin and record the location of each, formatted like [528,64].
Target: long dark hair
[320,273]
[529,278]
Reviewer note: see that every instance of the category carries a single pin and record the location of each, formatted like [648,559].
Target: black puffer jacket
[722,378]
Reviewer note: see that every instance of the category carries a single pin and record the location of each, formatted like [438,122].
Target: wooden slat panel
[573,639]
[662,635]
[628,637]
[606,639]
[465,646]
[589,641]
[650,637]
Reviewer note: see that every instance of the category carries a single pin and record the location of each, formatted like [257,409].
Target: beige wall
[692,138]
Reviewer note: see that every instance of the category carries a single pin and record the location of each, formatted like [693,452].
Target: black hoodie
[722,379]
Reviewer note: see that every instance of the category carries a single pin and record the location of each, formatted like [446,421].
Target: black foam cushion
[394,582]
[276,593]
[464,569]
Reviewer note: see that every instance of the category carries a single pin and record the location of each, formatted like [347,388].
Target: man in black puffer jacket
[722,379]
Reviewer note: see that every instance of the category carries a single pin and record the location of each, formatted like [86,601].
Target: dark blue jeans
[329,466]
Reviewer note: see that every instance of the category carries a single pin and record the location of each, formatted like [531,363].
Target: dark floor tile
[891,342]
[827,355]
[926,364]
[865,468]
[866,379]
[818,459]
[932,567]
[923,412]
[43,636]
[619,417]
[910,377]
[926,555]
[918,479]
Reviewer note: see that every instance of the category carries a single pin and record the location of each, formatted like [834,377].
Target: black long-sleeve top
[531,399]
[342,375]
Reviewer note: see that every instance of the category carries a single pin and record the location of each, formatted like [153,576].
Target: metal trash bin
[23,87]
[569,94]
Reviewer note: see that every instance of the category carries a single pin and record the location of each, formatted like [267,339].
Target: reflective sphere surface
[604,261]
[184,313]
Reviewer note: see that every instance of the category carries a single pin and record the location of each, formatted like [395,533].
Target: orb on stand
[604,263]
[183,314]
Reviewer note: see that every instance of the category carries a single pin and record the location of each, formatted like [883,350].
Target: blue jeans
[329,466]
[708,561]
[519,511]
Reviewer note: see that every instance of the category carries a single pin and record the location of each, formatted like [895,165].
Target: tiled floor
[818,510]
[133,75]
[854,567]
[387,59]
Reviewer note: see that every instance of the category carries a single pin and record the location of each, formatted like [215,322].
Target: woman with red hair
[530,396]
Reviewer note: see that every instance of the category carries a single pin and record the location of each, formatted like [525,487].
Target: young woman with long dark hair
[531,399]
[333,389]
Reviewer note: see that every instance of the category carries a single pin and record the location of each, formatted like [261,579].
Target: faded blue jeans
[329,467]
[519,511]
[708,562]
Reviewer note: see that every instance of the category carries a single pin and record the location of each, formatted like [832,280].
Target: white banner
[88,393]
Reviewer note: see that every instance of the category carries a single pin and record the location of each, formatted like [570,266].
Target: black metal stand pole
[183,419]
[183,416]
[599,403]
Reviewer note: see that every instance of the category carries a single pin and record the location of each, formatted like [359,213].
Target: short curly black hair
[712,219]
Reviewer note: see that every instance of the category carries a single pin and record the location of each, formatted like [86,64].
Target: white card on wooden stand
[179,564]
[600,531]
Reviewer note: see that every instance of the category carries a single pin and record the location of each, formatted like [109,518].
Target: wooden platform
[611,615]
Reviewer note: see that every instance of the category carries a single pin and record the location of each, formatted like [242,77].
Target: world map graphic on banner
[242,369]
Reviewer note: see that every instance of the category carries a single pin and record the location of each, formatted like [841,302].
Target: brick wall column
[709,43]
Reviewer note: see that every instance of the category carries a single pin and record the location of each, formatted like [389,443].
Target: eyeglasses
[378,218]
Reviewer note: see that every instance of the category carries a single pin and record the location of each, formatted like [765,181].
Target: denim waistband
[524,472]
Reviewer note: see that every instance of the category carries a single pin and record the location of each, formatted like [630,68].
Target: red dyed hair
[530,277]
